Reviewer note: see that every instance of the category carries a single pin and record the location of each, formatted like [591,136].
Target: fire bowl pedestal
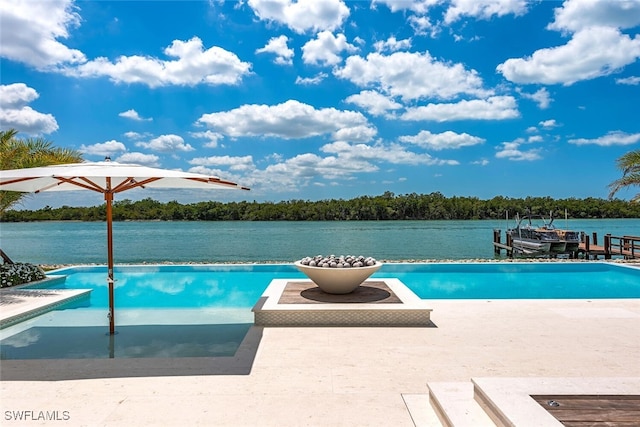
[338,280]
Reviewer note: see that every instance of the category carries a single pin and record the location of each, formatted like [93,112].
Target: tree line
[433,206]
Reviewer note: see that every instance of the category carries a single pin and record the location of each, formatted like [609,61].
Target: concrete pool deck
[351,376]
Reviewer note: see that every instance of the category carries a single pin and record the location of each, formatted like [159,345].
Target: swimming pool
[205,310]
[240,285]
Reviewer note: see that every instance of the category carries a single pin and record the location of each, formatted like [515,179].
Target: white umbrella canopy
[102,176]
[108,178]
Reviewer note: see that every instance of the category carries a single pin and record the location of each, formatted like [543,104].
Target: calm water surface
[256,241]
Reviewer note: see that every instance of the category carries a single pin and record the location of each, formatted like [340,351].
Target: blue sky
[319,99]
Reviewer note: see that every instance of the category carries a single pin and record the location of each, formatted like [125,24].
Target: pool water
[205,310]
[519,280]
[178,286]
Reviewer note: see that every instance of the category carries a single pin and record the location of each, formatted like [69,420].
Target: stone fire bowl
[338,280]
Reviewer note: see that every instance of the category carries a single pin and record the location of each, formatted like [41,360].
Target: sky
[332,99]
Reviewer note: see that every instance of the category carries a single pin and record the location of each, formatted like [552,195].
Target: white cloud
[484,9]
[612,138]
[31,32]
[310,81]
[393,153]
[304,167]
[541,97]
[303,15]
[167,144]
[16,114]
[512,151]
[417,6]
[211,137]
[422,26]
[631,81]
[344,163]
[576,15]
[591,53]
[326,49]
[193,66]
[241,163]
[418,18]
[411,76]
[362,133]
[548,124]
[136,135]
[150,160]
[373,102]
[278,46]
[534,138]
[16,95]
[392,45]
[289,120]
[494,108]
[133,115]
[597,47]
[108,148]
[442,141]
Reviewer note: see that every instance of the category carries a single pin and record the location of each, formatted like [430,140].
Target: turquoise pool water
[179,286]
[519,280]
[205,310]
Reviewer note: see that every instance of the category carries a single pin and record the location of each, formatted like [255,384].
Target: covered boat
[533,240]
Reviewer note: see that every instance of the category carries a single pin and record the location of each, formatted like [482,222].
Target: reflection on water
[521,281]
[133,341]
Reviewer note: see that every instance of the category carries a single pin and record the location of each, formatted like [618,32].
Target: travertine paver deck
[335,376]
[19,304]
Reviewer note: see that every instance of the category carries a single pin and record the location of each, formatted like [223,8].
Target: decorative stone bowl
[338,280]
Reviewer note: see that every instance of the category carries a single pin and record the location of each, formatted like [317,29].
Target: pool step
[421,412]
[455,405]
[504,401]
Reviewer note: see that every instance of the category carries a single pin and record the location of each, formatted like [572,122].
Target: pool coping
[20,304]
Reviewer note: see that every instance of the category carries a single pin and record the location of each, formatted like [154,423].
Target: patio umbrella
[108,178]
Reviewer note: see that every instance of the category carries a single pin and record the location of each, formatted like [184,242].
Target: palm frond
[17,153]
[628,180]
[630,162]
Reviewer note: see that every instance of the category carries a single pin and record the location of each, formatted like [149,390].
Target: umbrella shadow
[108,364]
[16,296]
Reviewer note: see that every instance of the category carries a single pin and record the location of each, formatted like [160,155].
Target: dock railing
[626,246]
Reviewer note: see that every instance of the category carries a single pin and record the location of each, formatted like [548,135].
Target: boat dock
[627,247]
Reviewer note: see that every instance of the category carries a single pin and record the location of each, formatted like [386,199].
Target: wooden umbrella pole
[108,196]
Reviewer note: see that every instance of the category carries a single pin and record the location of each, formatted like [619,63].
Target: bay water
[54,242]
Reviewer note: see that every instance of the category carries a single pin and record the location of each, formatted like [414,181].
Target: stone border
[411,311]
